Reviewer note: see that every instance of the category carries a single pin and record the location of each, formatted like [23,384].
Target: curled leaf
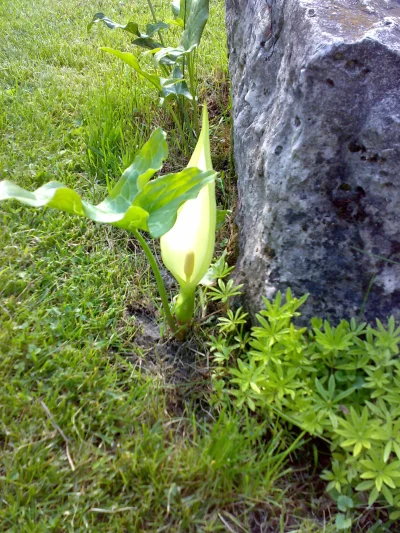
[135,202]
[143,40]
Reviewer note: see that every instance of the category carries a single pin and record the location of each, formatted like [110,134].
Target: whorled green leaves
[135,202]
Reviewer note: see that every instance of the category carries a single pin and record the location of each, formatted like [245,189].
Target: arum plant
[189,15]
[139,203]
[187,249]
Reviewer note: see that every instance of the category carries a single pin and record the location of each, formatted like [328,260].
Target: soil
[180,366]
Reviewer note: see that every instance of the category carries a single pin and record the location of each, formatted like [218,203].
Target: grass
[97,432]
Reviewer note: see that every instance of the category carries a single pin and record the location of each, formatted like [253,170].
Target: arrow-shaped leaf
[166,86]
[57,195]
[144,39]
[195,15]
[117,208]
[132,61]
[175,86]
[146,42]
[151,29]
[197,12]
[147,162]
[162,197]
[134,202]
[131,27]
[170,55]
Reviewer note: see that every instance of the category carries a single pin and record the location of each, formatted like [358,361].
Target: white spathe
[187,249]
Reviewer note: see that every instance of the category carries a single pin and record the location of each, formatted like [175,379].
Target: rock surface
[316,97]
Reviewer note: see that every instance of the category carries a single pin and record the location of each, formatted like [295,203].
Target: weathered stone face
[316,94]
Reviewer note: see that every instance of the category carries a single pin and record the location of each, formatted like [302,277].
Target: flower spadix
[187,249]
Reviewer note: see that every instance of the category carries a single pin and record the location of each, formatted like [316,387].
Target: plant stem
[177,123]
[160,283]
[184,28]
[193,89]
[184,307]
[186,119]
[155,20]
[364,303]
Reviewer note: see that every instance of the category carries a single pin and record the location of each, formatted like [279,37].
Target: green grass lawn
[98,432]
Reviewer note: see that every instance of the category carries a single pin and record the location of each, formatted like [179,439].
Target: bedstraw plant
[340,384]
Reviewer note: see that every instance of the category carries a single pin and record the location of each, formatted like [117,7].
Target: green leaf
[117,208]
[251,404]
[176,22]
[195,16]
[221,217]
[373,496]
[388,494]
[131,27]
[344,503]
[387,451]
[396,449]
[148,161]
[176,87]
[197,12]
[162,197]
[342,522]
[144,39]
[365,485]
[151,29]
[255,387]
[134,202]
[146,42]
[170,55]
[132,61]
[344,394]
[166,86]
[57,195]
[316,323]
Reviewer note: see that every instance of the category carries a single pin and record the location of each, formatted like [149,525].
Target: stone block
[316,102]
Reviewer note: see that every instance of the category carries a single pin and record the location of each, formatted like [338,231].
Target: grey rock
[316,98]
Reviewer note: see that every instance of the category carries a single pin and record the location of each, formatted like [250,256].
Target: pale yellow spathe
[187,249]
